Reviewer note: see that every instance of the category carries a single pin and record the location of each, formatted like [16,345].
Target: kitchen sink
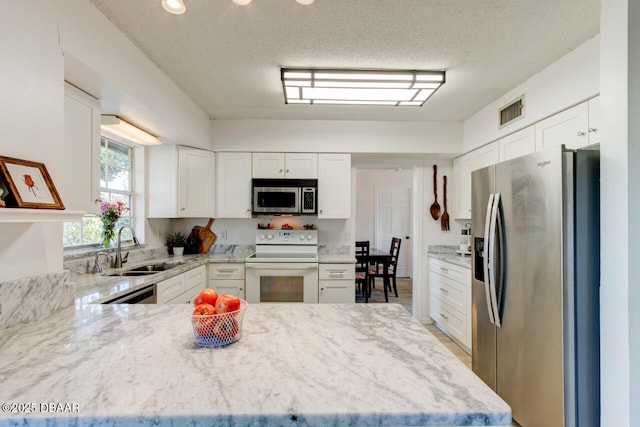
[161,266]
[131,273]
[147,269]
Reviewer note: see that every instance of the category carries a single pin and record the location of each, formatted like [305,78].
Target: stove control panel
[287,237]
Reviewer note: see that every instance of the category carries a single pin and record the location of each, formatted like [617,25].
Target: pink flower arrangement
[110,212]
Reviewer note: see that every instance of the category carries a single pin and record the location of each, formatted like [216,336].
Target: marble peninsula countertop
[295,365]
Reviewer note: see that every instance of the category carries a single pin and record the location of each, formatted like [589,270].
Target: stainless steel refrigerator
[535,287]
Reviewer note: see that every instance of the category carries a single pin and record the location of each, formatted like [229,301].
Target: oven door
[282,282]
[276,200]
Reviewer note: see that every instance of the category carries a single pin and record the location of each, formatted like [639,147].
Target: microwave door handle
[487,257]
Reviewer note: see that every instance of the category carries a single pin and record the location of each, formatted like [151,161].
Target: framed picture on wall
[29,184]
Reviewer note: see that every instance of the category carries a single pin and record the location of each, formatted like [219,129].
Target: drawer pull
[226,271]
[446,270]
[445,317]
[446,291]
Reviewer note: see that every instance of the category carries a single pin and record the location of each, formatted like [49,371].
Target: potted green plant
[176,242]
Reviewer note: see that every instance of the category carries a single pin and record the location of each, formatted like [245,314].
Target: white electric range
[284,267]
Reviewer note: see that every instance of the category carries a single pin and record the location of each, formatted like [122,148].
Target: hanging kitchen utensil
[435,207]
[444,220]
[205,236]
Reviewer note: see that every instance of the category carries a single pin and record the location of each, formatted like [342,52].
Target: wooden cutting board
[205,236]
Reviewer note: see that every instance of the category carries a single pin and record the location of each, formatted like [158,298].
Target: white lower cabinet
[450,300]
[336,283]
[227,278]
[181,289]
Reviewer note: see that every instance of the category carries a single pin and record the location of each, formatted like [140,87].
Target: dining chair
[362,268]
[377,270]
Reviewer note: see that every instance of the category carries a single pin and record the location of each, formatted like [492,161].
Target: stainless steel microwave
[284,196]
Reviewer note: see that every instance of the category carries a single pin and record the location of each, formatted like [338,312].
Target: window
[116,184]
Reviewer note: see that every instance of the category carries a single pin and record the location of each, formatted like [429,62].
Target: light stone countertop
[336,259]
[448,254]
[295,365]
[95,288]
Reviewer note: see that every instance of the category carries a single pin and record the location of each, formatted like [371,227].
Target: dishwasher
[145,295]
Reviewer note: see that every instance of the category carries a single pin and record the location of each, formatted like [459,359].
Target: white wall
[101,58]
[336,136]
[31,107]
[568,81]
[620,204]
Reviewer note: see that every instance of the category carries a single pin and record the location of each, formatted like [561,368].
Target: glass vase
[108,235]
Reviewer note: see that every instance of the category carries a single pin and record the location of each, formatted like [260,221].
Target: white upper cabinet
[517,144]
[181,182]
[233,185]
[334,185]
[462,167]
[594,120]
[569,127]
[285,165]
[81,151]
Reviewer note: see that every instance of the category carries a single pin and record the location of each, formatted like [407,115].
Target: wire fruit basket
[217,330]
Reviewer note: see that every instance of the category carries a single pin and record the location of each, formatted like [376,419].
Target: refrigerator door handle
[488,237]
[499,262]
[492,259]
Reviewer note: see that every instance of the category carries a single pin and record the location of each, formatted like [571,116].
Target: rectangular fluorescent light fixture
[123,131]
[359,87]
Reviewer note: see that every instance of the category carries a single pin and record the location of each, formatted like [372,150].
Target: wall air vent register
[511,112]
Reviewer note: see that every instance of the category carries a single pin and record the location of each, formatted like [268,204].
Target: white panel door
[393,219]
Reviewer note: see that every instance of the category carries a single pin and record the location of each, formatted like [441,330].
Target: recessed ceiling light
[305,2]
[359,87]
[242,2]
[176,7]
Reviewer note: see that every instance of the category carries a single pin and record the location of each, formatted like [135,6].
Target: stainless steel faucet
[97,267]
[117,263]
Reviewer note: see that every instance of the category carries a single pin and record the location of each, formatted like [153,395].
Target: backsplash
[82,263]
[22,300]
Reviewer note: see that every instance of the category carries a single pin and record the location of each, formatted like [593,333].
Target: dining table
[378,256]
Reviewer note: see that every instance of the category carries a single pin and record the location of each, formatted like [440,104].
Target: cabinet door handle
[183,209]
[444,317]
[593,130]
[446,270]
[288,171]
[444,290]
[581,133]
[281,170]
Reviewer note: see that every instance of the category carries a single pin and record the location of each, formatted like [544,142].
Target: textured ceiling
[227,58]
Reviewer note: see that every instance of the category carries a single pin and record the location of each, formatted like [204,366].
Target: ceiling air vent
[512,112]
